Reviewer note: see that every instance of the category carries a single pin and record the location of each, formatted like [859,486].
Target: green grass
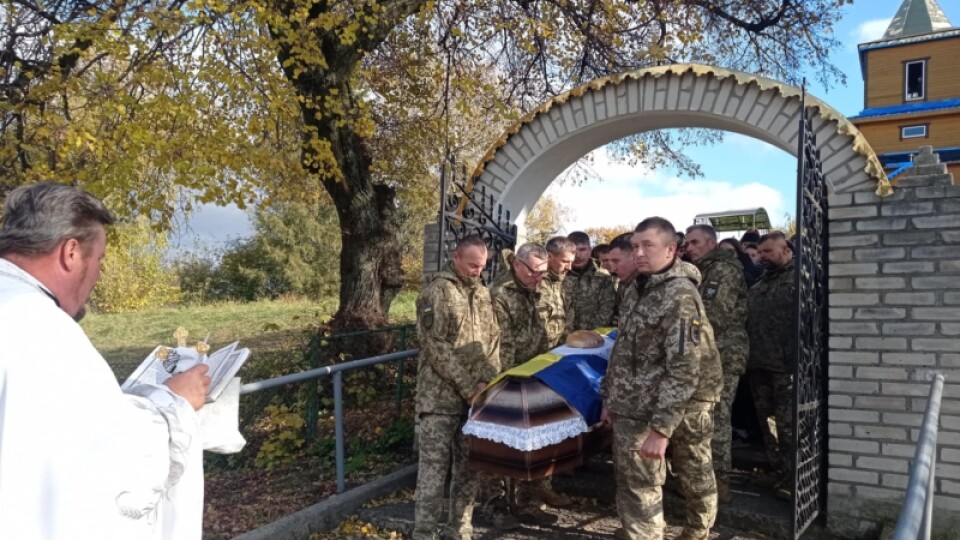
[125,339]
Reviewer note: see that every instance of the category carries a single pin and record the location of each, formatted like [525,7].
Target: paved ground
[754,512]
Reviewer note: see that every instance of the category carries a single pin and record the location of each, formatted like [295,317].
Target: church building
[912,87]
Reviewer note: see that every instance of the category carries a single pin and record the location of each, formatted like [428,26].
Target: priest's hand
[192,385]
[654,446]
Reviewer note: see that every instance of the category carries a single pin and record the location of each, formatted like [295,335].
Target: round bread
[584,339]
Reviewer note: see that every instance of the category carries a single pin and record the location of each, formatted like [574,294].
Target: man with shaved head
[660,388]
[459,355]
[772,327]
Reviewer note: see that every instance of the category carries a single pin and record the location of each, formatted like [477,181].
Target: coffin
[537,419]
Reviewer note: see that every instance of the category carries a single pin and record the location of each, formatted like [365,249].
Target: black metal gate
[810,378]
[467,210]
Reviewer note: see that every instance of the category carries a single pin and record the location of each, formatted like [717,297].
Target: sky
[741,172]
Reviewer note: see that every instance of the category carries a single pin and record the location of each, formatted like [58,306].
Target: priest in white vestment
[79,459]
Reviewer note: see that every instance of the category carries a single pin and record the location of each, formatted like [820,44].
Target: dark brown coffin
[525,403]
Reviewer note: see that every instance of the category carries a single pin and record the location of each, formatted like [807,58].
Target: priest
[79,459]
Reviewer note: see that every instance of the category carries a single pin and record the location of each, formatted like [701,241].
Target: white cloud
[212,226]
[871,30]
[627,195]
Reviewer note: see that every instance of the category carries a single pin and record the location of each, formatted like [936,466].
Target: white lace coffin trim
[527,439]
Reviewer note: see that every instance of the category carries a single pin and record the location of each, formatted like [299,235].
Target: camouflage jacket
[665,358]
[553,309]
[592,297]
[626,295]
[724,294]
[522,329]
[459,342]
[772,320]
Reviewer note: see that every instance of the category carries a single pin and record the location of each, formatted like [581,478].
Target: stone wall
[894,320]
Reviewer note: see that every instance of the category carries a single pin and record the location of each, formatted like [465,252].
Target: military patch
[710,289]
[695,327]
[426,317]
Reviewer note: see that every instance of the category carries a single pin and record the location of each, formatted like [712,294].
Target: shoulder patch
[426,316]
[695,326]
[710,289]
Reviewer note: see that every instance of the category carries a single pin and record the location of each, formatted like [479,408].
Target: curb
[328,514]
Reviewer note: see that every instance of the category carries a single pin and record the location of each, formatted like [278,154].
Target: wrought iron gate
[465,211]
[810,378]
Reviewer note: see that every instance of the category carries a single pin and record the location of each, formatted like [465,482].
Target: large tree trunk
[370,273]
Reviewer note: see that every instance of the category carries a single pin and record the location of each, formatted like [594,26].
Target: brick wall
[894,320]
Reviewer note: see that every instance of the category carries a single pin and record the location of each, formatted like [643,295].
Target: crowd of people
[695,314]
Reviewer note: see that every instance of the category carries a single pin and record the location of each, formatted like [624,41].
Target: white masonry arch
[527,158]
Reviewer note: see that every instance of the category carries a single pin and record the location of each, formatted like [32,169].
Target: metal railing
[336,371]
[916,515]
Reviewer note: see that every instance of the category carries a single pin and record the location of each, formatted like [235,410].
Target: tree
[137,99]
[605,235]
[546,219]
[134,274]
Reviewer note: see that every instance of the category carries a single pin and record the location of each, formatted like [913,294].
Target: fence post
[403,347]
[338,419]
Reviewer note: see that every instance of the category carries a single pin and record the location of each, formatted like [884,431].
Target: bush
[134,275]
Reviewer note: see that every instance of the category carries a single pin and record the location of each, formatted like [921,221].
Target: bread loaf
[584,339]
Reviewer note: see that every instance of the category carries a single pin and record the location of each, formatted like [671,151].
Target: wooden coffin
[524,406]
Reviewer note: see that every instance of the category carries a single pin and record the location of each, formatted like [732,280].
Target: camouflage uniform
[592,297]
[553,310]
[459,349]
[664,375]
[626,295]
[724,294]
[771,325]
[522,332]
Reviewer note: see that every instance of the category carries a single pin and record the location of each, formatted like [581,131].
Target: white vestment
[79,459]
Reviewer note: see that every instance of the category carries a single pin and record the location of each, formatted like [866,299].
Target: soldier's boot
[689,534]
[554,498]
[427,520]
[723,490]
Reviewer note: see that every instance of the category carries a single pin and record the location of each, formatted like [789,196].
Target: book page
[224,365]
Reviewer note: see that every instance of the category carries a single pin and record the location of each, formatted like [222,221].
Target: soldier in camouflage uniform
[624,267]
[724,294]
[660,388]
[522,317]
[772,327]
[516,303]
[459,354]
[555,308]
[590,292]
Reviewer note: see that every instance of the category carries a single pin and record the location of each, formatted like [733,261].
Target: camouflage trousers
[722,426]
[773,398]
[443,455]
[639,480]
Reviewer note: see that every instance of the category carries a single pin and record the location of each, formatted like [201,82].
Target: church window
[912,132]
[915,76]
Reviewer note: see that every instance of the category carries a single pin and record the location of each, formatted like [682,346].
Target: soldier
[590,293]
[553,305]
[772,327]
[661,385]
[724,294]
[517,305]
[601,252]
[459,354]
[624,267]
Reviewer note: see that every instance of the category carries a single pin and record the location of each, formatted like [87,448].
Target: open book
[224,365]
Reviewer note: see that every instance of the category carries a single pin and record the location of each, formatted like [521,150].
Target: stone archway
[530,155]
